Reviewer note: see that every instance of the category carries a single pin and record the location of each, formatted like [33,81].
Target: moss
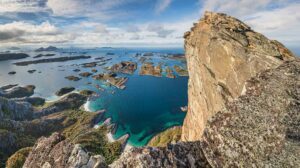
[166,137]
[18,159]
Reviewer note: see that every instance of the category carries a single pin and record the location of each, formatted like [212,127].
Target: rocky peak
[222,53]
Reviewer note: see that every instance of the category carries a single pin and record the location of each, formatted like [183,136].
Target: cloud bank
[142,22]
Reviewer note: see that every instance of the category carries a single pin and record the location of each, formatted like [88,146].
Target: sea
[147,106]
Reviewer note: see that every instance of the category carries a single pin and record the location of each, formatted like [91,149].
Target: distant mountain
[50,48]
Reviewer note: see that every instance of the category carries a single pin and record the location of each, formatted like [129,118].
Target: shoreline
[112,139]
[86,106]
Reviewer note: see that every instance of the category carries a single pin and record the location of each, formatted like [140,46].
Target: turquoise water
[146,107]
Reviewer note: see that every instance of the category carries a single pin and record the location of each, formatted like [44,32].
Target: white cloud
[96,9]
[22,5]
[277,19]
[162,5]
[145,34]
[30,33]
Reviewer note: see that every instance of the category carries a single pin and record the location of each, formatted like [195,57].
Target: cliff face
[222,53]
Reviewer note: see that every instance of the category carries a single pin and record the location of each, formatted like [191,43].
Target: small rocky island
[148,68]
[112,79]
[126,67]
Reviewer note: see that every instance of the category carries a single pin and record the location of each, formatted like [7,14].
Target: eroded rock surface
[56,151]
[183,154]
[222,53]
[262,127]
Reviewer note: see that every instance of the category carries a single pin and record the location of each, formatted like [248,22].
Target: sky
[146,23]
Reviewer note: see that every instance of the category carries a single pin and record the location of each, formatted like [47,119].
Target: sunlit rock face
[222,53]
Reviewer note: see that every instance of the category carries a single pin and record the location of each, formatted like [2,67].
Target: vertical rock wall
[222,53]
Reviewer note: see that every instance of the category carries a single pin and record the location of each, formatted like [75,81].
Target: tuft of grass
[168,136]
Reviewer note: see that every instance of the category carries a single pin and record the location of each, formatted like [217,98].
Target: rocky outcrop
[262,127]
[21,124]
[222,53]
[183,154]
[10,109]
[18,92]
[56,151]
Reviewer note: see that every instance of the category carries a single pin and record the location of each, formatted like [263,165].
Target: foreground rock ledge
[222,53]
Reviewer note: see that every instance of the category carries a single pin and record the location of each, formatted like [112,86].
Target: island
[170,73]
[73,78]
[126,67]
[44,55]
[60,59]
[112,79]
[181,71]
[12,56]
[85,74]
[149,69]
[64,91]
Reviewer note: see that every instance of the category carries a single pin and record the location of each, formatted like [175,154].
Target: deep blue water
[146,107]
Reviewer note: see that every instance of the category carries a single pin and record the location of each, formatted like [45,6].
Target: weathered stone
[222,53]
[187,154]
[261,128]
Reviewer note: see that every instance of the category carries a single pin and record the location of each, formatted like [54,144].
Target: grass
[96,142]
[168,136]
[18,159]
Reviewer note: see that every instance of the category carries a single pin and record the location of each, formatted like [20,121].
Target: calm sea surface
[146,107]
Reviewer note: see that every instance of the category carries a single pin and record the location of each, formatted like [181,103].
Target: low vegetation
[169,136]
[18,159]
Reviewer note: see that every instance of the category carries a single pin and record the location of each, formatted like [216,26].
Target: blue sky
[135,22]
